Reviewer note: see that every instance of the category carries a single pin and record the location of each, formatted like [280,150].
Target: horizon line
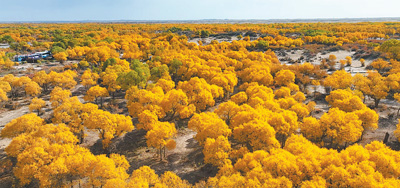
[211,20]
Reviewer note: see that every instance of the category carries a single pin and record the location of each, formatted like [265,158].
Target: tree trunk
[164,152]
[315,90]
[362,135]
[160,152]
[81,137]
[398,112]
[377,102]
[228,94]
[249,147]
[386,138]
[107,151]
[282,139]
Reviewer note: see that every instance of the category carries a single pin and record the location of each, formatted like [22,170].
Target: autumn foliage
[255,122]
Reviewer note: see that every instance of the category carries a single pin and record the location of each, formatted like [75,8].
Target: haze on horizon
[79,10]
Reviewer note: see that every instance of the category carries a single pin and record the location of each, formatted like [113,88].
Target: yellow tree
[103,169]
[282,92]
[304,72]
[338,80]
[140,100]
[19,84]
[348,60]
[208,125]
[175,102]
[263,167]
[42,136]
[376,87]
[256,71]
[200,93]
[385,159]
[227,80]
[227,111]
[88,78]
[160,136]
[380,65]
[285,123]
[312,130]
[58,96]
[216,151]
[341,127]
[290,170]
[96,92]
[393,81]
[109,78]
[256,135]
[4,89]
[40,155]
[24,124]
[43,79]
[345,100]
[73,113]
[301,110]
[397,131]
[369,118]
[342,63]
[32,88]
[109,125]
[6,83]
[332,57]
[166,84]
[5,86]
[61,56]
[361,83]
[284,78]
[65,80]
[239,98]
[36,104]
[170,179]
[3,95]
[49,155]
[147,119]
[336,176]
[362,62]
[332,61]
[259,95]
[143,176]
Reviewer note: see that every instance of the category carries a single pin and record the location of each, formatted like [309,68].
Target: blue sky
[76,10]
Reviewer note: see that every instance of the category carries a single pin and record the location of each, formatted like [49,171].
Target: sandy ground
[5,118]
[209,39]
[340,55]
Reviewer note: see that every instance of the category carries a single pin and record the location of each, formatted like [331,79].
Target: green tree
[138,76]
[392,48]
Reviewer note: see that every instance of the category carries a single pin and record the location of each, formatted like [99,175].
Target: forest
[200,105]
